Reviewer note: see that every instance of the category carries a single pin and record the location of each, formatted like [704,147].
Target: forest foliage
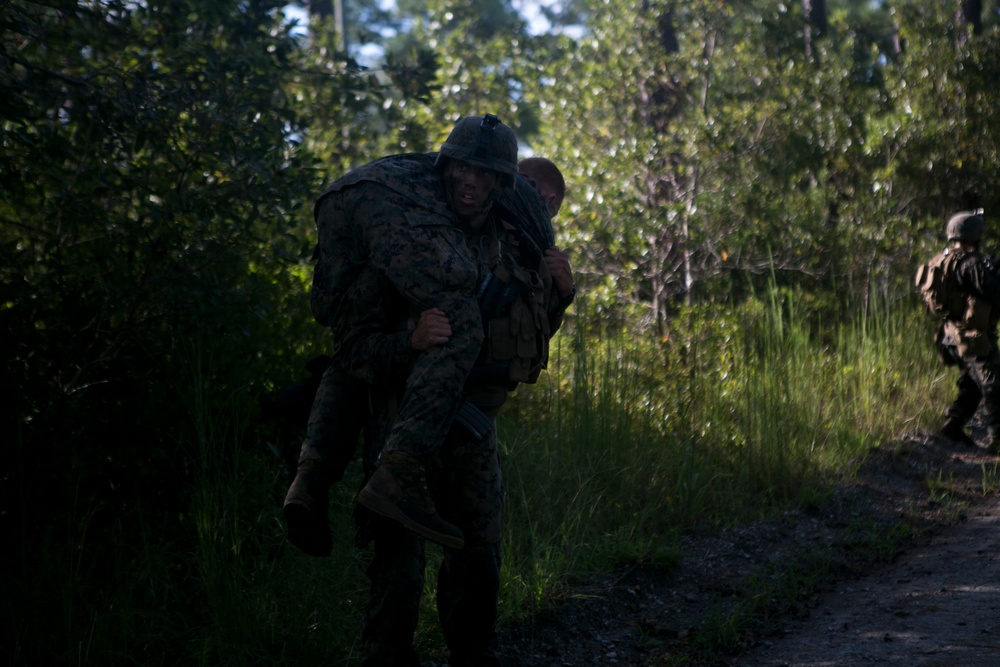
[159,161]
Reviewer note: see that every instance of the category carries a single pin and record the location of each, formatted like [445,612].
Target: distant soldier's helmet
[966,226]
[485,142]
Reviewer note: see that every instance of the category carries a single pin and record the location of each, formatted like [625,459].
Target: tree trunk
[814,12]
[336,9]
[971,13]
[320,8]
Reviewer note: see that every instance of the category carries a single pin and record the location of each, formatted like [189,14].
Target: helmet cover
[966,226]
[485,142]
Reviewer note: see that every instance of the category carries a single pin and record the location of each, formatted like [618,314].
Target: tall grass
[625,443]
[733,417]
[260,596]
[215,583]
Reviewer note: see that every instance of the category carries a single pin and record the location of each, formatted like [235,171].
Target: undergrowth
[626,442]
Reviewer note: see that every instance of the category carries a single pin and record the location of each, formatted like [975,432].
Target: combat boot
[953,430]
[398,490]
[307,507]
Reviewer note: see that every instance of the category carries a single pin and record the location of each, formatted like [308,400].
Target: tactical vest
[968,320]
[937,285]
[513,303]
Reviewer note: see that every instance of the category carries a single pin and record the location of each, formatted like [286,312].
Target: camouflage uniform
[372,322]
[464,476]
[969,340]
[465,482]
[342,404]
[396,218]
[390,220]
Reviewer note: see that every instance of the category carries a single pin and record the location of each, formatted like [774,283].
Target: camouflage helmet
[485,142]
[966,226]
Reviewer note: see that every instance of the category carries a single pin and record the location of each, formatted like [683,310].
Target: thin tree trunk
[336,9]
[320,8]
[971,13]
[816,25]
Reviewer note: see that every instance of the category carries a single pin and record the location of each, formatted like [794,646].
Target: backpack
[935,283]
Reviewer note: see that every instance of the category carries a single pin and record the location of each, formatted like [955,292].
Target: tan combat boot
[307,508]
[398,490]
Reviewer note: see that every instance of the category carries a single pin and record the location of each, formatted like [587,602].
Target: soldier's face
[471,187]
[545,189]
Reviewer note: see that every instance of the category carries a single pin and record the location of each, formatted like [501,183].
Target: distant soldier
[960,286]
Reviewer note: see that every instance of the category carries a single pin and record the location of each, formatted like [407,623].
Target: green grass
[737,415]
[625,443]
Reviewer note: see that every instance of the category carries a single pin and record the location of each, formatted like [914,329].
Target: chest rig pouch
[511,300]
[969,323]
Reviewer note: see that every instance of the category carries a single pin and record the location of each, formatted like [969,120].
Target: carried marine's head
[966,226]
[545,177]
[485,142]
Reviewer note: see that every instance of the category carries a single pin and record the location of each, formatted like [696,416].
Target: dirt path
[931,600]
[936,605]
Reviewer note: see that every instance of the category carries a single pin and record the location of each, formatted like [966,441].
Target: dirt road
[927,599]
[936,605]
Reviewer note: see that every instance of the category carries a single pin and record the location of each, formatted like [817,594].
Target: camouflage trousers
[340,412]
[423,255]
[978,387]
[466,483]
